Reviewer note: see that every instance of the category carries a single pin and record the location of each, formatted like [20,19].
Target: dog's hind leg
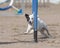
[48,34]
[47,31]
[43,33]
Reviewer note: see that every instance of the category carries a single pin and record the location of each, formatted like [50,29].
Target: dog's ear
[27,15]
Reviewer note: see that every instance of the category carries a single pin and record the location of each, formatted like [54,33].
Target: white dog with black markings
[42,27]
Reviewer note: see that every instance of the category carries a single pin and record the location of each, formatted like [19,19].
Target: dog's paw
[31,32]
[50,36]
[25,32]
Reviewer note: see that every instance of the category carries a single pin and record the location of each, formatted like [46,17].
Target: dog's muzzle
[30,22]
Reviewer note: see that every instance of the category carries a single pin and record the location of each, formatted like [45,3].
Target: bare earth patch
[12,29]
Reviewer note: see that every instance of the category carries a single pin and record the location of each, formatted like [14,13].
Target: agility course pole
[35,12]
[19,11]
[7,7]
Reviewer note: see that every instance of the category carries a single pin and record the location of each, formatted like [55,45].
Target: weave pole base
[35,36]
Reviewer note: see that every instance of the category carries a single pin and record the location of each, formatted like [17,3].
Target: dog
[41,27]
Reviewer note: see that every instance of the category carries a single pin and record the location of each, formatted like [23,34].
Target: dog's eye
[28,19]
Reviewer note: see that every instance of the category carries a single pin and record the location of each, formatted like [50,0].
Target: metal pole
[35,12]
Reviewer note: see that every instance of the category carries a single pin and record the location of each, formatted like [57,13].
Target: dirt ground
[12,28]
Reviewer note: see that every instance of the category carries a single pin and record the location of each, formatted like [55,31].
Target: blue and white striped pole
[35,12]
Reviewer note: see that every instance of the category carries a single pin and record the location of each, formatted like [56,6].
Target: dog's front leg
[28,28]
[32,31]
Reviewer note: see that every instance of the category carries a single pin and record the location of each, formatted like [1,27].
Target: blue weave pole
[35,12]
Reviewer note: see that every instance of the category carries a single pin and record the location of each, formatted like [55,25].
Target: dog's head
[30,18]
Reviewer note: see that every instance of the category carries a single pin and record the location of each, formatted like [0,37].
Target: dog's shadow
[43,39]
[2,43]
[40,39]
